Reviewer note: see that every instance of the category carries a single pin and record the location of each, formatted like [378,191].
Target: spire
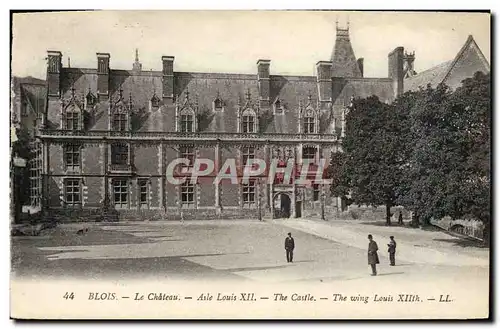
[69,62]
[343,58]
[137,67]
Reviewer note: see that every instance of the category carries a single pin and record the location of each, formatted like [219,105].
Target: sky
[233,41]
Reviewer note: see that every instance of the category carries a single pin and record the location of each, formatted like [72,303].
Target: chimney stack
[396,71]
[324,80]
[54,66]
[361,66]
[263,81]
[168,79]
[103,75]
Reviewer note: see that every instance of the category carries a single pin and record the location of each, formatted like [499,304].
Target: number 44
[69,295]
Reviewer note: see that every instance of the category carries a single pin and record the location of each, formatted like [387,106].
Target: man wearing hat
[372,254]
[392,250]
[289,246]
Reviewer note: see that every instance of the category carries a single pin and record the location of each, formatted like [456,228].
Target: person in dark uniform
[289,246]
[372,254]
[400,218]
[392,250]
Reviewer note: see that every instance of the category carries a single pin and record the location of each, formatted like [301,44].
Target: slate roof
[442,72]
[344,63]
[433,76]
[32,90]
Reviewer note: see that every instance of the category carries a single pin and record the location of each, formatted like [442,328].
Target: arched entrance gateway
[282,205]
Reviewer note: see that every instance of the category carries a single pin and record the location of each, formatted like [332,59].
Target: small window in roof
[155,102]
[278,107]
[218,104]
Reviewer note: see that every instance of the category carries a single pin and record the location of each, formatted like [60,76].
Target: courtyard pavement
[243,251]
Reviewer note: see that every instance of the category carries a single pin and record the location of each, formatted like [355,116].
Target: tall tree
[429,163]
[372,165]
[470,110]
[449,152]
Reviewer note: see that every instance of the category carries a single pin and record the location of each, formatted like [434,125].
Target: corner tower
[344,63]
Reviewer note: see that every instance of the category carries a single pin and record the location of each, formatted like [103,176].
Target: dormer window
[187,123]
[186,115]
[120,121]
[120,114]
[278,107]
[248,122]
[248,116]
[309,122]
[90,100]
[72,113]
[72,120]
[218,105]
[155,102]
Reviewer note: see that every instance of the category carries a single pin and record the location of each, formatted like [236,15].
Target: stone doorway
[282,205]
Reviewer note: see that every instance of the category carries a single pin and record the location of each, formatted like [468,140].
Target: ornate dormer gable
[308,116]
[120,112]
[278,107]
[218,103]
[248,115]
[72,112]
[90,100]
[186,114]
[154,102]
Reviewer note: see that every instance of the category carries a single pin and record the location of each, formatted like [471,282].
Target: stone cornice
[200,137]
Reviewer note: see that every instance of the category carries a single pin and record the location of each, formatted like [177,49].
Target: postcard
[250,165]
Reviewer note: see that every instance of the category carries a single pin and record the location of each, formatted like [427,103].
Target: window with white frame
[187,194]
[143,187]
[309,124]
[35,165]
[72,191]
[247,153]
[72,156]
[248,196]
[187,152]
[120,193]
[248,122]
[72,120]
[120,121]
[187,123]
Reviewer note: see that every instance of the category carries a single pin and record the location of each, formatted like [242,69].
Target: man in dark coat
[373,255]
[392,250]
[289,246]
[400,218]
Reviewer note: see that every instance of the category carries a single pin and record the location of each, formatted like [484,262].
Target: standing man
[373,255]
[289,246]
[400,218]
[392,250]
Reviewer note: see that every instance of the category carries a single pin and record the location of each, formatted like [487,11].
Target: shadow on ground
[383,223]
[168,268]
[463,242]
[392,273]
